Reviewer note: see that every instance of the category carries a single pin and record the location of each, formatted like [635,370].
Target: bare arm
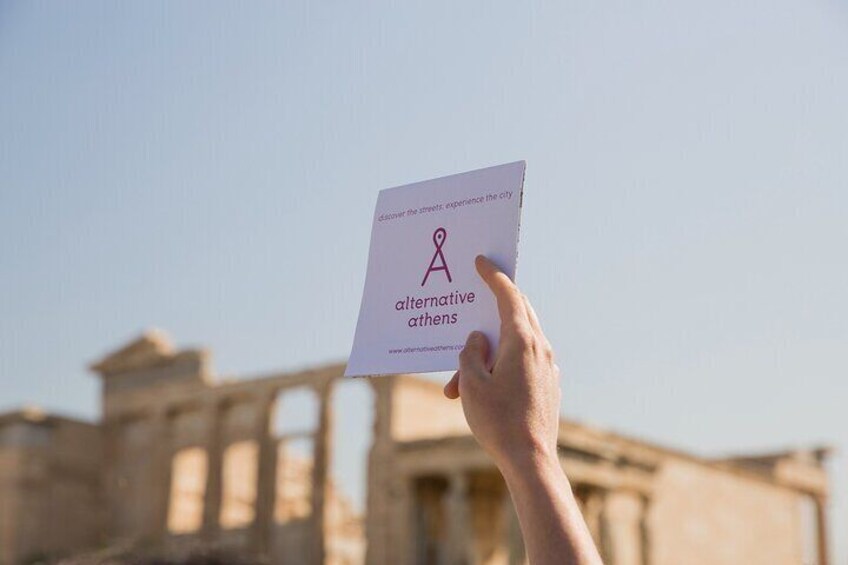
[511,401]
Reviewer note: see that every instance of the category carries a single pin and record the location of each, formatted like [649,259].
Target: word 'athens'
[455,298]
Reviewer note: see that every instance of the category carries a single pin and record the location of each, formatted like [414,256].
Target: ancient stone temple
[179,457]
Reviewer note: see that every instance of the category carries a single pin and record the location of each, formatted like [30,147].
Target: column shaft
[320,472]
[516,553]
[265,476]
[214,455]
[161,479]
[459,550]
[821,530]
[622,515]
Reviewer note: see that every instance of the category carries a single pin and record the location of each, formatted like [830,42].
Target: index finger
[510,302]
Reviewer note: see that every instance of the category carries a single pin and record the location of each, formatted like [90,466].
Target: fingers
[452,387]
[472,359]
[510,303]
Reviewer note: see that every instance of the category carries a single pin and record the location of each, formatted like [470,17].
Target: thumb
[472,359]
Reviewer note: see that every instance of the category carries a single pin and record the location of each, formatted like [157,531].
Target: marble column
[593,508]
[516,553]
[161,474]
[265,475]
[320,472]
[381,546]
[821,530]
[404,518]
[459,550]
[111,454]
[623,514]
[214,455]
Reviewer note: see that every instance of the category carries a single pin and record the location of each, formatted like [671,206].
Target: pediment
[150,349]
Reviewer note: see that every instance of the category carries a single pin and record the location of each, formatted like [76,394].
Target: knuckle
[511,325]
[525,338]
[516,294]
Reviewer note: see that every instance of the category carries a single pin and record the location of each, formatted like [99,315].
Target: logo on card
[439,237]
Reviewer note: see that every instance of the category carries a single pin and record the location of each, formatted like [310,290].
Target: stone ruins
[178,457]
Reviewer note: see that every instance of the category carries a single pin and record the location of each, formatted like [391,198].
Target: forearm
[511,403]
[553,528]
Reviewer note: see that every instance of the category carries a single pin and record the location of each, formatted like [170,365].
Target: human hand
[511,399]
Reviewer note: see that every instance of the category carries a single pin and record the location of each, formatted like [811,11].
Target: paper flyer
[422,294]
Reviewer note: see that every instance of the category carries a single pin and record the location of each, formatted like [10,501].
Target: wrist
[529,463]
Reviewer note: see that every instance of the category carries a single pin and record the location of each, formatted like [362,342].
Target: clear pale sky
[211,169]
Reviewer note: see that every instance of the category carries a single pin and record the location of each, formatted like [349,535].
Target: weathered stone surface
[181,462]
[50,496]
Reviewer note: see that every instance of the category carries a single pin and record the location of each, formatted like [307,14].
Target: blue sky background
[211,169]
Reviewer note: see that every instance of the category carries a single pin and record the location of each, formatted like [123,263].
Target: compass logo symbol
[439,237]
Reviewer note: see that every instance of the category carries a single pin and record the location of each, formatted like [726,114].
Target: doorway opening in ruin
[353,431]
[238,476]
[430,530]
[239,467]
[294,425]
[189,468]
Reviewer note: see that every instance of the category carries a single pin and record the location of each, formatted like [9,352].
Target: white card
[422,294]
